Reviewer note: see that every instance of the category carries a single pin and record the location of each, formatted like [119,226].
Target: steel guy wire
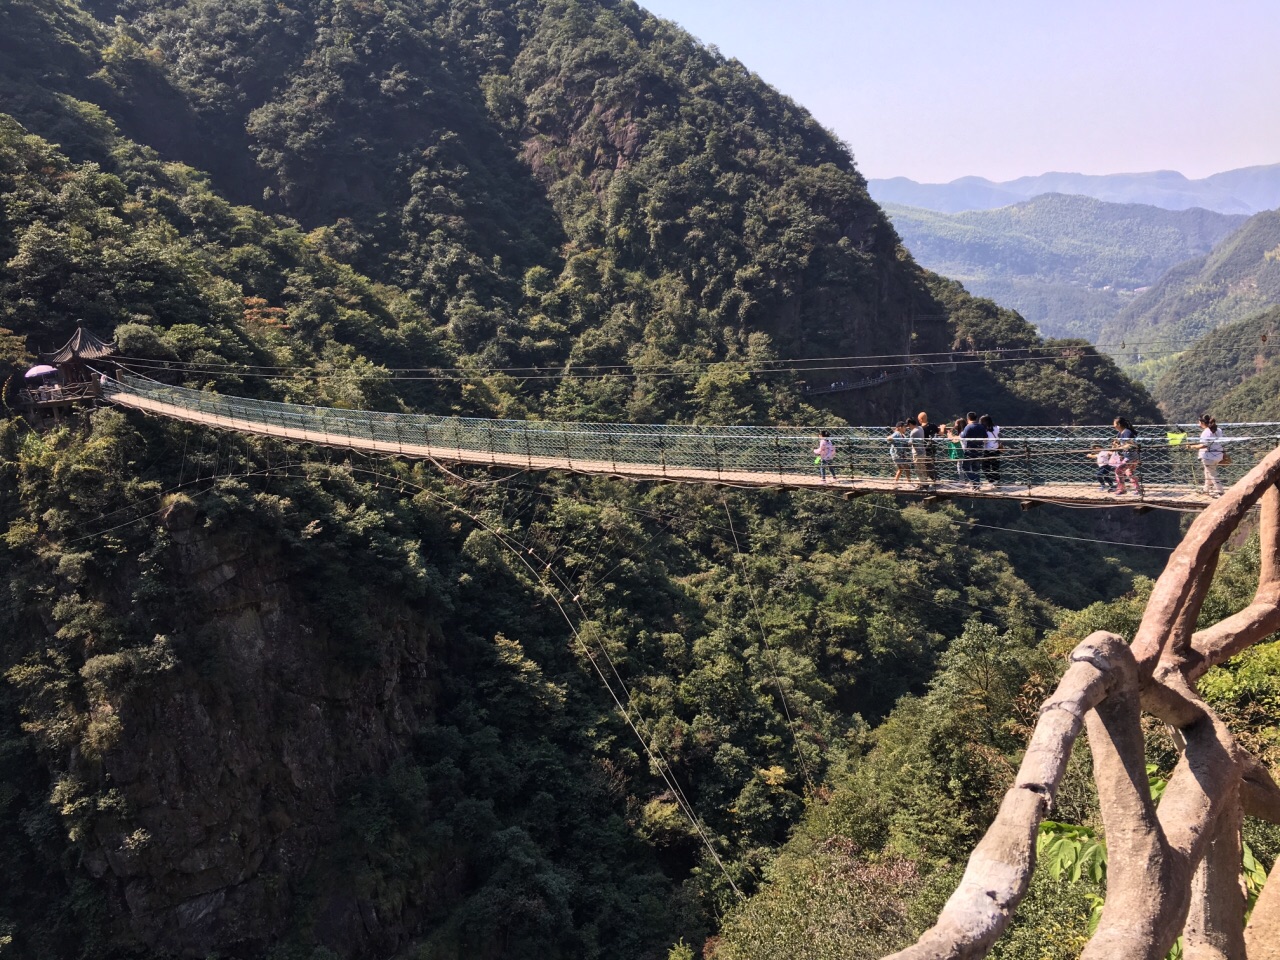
[665,770]
[773,656]
[1063,351]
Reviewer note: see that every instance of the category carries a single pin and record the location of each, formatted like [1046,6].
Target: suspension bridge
[1037,464]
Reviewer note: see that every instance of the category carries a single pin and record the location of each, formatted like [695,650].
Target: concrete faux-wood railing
[1173,866]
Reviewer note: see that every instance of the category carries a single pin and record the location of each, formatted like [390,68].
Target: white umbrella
[40,370]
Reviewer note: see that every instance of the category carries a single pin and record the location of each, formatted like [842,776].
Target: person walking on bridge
[824,455]
[1126,444]
[991,448]
[955,447]
[923,449]
[1211,453]
[900,452]
[1106,460]
[973,439]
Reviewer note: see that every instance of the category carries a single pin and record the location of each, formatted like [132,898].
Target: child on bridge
[900,452]
[1107,461]
[824,454]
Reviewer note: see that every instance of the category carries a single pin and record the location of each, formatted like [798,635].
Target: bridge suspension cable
[676,367]
[1054,464]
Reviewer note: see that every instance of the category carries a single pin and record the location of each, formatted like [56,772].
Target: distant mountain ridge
[1248,190]
[1240,277]
[1067,263]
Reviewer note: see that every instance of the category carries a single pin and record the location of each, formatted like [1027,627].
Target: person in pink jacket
[824,455]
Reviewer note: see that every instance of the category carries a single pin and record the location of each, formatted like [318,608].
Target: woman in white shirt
[1210,447]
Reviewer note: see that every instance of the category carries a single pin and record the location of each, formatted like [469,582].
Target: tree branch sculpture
[1174,869]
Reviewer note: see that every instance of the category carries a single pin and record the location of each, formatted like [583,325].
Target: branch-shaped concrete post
[1262,935]
[1172,869]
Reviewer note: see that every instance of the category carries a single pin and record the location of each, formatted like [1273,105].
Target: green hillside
[1255,399]
[263,700]
[1240,277]
[1232,372]
[1068,264]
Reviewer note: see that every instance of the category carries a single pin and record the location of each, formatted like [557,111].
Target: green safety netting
[1032,456]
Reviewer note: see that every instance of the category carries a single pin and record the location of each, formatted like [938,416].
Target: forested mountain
[521,167]
[1238,278]
[1245,191]
[1066,263]
[1231,372]
[263,701]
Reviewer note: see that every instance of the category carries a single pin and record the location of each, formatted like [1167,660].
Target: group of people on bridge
[971,443]
[1117,465]
[973,447]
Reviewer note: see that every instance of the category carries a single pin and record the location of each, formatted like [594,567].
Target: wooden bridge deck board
[1164,496]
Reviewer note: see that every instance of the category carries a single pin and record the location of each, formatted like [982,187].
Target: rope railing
[1033,458]
[58,393]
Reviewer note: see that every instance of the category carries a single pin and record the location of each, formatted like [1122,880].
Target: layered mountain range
[1067,263]
[1245,191]
[1145,283]
[1233,372]
[1235,280]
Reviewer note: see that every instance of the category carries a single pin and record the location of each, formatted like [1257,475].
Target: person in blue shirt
[973,439]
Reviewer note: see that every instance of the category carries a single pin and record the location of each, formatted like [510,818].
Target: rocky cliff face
[238,739]
[232,722]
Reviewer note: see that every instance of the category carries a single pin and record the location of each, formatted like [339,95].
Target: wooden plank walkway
[1160,496]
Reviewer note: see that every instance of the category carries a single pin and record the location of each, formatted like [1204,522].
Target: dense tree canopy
[1230,372]
[1238,278]
[362,708]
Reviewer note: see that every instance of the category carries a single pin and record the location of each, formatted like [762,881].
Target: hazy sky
[939,89]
